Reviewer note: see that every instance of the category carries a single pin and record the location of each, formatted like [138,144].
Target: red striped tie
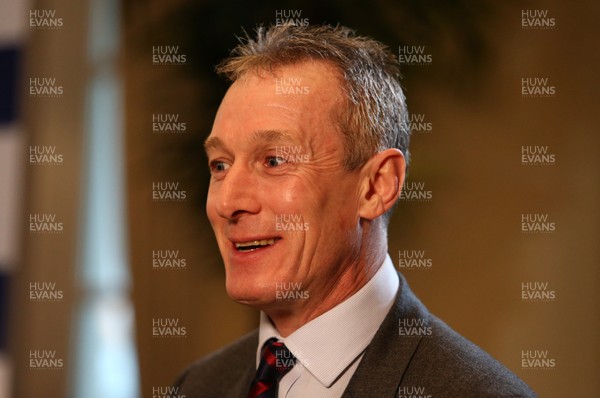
[275,361]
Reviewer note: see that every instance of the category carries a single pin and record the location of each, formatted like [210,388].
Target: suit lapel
[243,383]
[387,357]
[248,357]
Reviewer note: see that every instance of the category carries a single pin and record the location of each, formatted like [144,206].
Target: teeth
[263,242]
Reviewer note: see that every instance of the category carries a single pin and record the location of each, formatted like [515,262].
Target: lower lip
[238,256]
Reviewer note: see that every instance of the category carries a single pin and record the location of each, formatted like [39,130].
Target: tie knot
[276,361]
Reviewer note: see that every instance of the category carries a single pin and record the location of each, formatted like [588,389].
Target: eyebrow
[212,143]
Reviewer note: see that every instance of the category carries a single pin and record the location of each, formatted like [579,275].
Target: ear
[382,183]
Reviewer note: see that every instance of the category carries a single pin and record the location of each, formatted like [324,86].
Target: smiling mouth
[254,244]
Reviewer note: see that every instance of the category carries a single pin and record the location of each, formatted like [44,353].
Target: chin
[248,293]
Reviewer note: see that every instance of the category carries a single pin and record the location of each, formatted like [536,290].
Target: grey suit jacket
[439,363]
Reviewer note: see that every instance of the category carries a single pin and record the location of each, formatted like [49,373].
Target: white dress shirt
[329,348]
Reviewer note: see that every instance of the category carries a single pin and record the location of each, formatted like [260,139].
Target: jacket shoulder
[227,372]
[452,366]
[415,354]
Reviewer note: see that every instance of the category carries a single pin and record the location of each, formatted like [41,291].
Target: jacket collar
[387,357]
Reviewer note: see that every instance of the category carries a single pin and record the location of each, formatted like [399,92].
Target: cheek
[289,196]
[341,197]
[347,221]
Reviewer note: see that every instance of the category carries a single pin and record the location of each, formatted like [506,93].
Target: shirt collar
[331,342]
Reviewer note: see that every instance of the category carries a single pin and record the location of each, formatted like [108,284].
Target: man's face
[281,205]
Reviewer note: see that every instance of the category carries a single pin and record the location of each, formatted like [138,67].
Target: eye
[218,166]
[274,161]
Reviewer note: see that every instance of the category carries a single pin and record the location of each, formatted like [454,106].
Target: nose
[236,194]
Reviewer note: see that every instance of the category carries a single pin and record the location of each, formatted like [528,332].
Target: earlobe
[383,179]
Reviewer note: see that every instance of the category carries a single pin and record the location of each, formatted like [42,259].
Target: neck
[290,318]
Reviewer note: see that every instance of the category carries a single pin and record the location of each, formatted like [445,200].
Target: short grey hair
[375,117]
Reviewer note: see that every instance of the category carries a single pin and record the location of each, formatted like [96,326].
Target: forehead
[300,100]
